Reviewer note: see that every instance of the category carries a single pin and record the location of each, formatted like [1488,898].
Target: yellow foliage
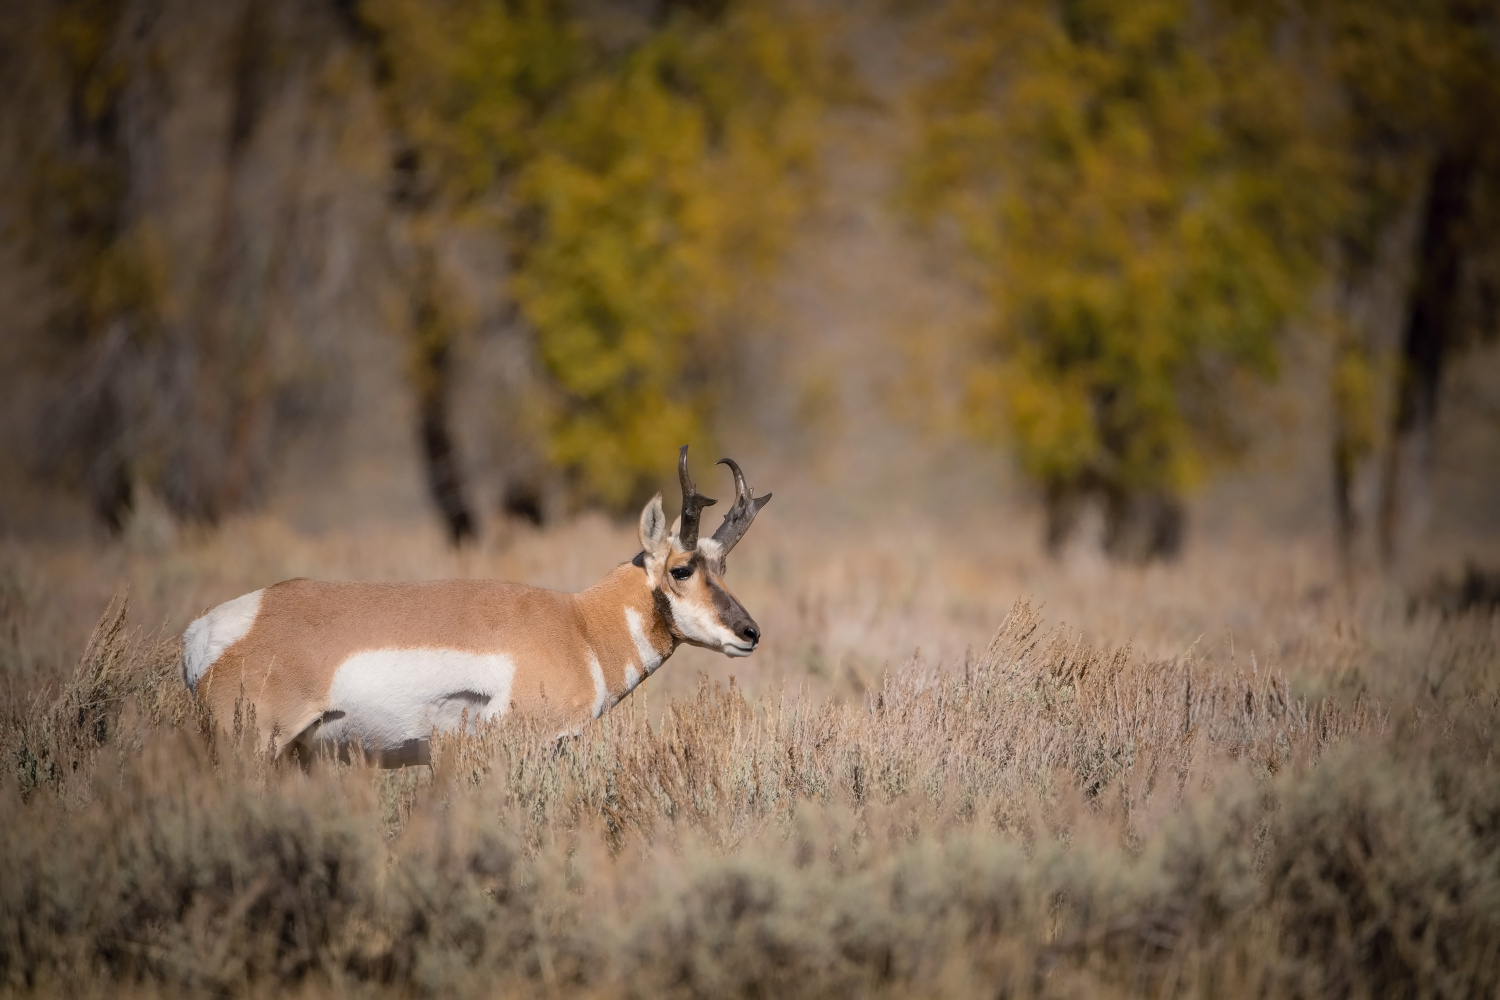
[1144,193]
[646,190]
[663,190]
[467,79]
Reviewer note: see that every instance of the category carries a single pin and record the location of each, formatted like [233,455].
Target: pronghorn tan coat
[382,665]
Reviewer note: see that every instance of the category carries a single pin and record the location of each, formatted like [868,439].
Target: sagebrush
[1050,819]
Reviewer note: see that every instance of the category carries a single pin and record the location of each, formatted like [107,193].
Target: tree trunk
[432,332]
[1346,518]
[1062,500]
[219,457]
[1351,386]
[1142,526]
[1426,339]
[85,430]
[432,342]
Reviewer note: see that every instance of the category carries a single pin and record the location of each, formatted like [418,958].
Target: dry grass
[1308,808]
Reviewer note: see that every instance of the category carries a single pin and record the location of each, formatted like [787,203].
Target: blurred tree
[106,284]
[1140,186]
[643,164]
[461,84]
[644,171]
[153,364]
[1420,88]
[432,359]
[219,464]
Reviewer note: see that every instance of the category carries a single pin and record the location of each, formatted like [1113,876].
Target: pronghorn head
[687,573]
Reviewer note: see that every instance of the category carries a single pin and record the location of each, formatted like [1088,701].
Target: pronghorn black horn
[746,506]
[693,503]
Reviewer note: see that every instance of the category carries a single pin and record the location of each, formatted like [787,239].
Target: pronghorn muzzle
[733,616]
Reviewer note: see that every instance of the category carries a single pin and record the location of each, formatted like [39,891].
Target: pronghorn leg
[301,746]
[412,752]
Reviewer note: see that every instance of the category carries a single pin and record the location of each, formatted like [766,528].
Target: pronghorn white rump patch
[650,658]
[206,638]
[601,690]
[387,698]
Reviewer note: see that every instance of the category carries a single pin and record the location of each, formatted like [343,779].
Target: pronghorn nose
[750,633]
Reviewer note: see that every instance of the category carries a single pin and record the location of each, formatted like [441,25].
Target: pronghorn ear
[653,527]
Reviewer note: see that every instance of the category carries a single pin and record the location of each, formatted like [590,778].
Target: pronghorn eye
[682,572]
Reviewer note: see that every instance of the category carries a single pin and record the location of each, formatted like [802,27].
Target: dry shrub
[173,877]
[1054,820]
[1384,888]
[60,731]
[1037,713]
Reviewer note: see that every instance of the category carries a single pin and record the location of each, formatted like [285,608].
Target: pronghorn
[328,665]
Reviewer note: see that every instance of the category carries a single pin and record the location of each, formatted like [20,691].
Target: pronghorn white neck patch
[650,656]
[206,638]
[388,698]
[601,690]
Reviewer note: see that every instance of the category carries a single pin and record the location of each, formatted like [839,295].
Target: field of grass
[954,769]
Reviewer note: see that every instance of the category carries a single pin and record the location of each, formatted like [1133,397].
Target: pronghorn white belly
[390,700]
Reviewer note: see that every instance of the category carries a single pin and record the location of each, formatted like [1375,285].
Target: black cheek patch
[664,611]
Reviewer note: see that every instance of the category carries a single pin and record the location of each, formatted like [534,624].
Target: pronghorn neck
[627,637]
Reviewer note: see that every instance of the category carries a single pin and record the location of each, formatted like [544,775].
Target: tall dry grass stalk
[1055,819]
